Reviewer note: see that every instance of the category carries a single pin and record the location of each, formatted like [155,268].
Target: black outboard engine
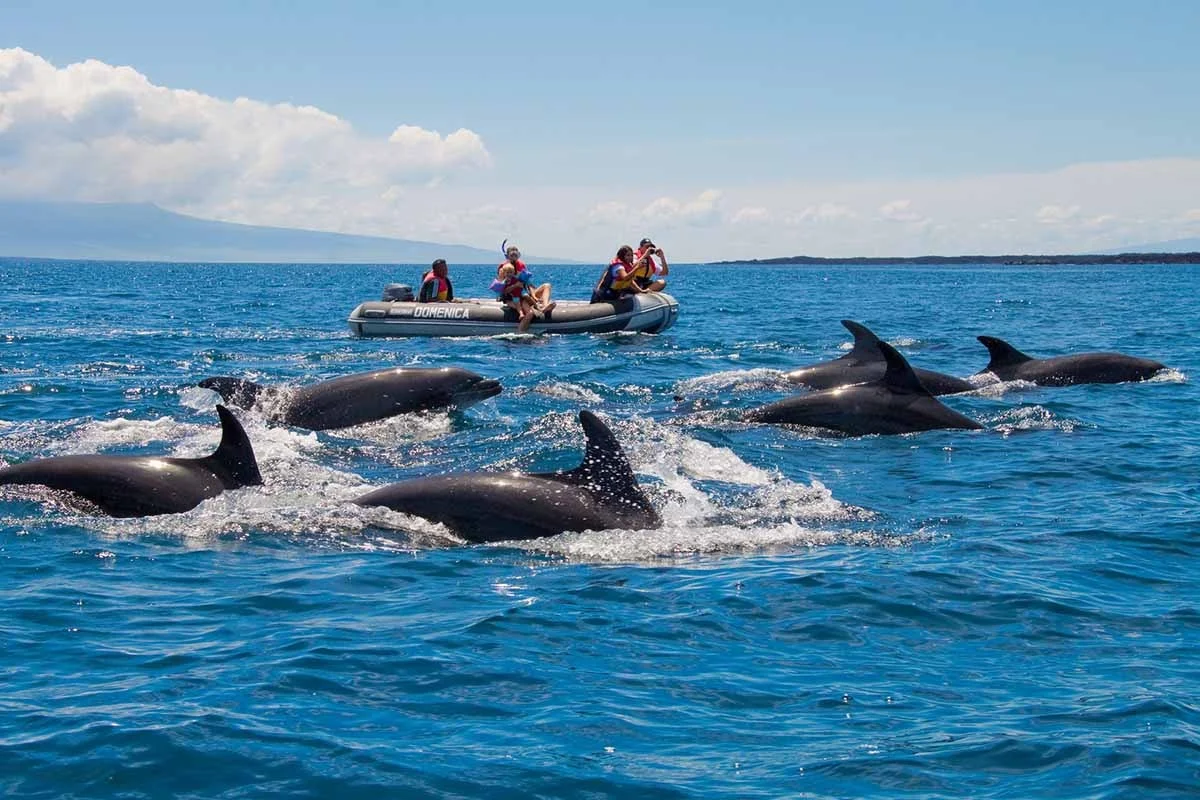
[398,292]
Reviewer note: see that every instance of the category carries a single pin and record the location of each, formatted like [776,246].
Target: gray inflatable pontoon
[651,312]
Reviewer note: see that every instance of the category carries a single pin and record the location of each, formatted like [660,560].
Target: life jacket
[623,284]
[435,289]
[513,288]
[606,289]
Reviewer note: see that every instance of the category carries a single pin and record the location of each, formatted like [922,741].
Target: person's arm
[665,269]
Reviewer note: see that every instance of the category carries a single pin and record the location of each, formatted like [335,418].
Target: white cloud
[1056,215]
[900,211]
[611,214]
[92,131]
[822,213]
[751,215]
[701,212]
[1192,216]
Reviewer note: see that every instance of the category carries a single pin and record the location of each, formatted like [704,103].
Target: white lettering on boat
[441,312]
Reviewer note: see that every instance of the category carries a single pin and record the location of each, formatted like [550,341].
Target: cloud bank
[96,132]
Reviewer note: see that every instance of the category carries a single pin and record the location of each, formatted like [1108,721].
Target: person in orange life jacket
[618,280]
[540,294]
[515,294]
[436,286]
[655,278]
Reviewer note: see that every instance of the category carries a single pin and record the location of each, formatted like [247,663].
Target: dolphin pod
[361,398]
[897,402]
[877,392]
[141,486]
[865,362]
[1010,364]
[600,494]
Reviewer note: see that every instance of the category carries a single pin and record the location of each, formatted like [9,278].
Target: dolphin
[898,402]
[865,363]
[1010,364]
[601,493]
[142,486]
[360,398]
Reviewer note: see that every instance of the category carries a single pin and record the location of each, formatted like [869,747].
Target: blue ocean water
[1007,613]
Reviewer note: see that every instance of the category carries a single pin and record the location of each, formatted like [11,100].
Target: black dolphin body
[898,402]
[866,363]
[600,494]
[1010,364]
[360,398]
[142,486]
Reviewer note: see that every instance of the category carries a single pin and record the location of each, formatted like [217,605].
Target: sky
[722,130]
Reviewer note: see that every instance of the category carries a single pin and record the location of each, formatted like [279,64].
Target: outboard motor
[398,292]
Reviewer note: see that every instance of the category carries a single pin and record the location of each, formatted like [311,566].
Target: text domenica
[441,312]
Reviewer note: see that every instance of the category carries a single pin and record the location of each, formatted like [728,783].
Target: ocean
[1005,613]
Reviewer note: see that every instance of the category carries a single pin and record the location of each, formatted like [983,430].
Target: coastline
[1014,260]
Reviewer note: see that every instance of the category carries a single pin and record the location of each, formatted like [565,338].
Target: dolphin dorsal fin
[865,342]
[1003,354]
[899,375]
[605,471]
[234,461]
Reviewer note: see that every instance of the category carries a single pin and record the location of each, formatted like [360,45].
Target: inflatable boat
[651,312]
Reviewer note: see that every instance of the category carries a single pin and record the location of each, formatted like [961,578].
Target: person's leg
[527,314]
[657,286]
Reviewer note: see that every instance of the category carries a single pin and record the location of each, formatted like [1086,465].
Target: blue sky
[843,123]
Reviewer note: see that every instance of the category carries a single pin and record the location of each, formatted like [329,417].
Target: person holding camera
[651,277]
[620,277]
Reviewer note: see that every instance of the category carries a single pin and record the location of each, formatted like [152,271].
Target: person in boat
[540,293]
[619,278]
[653,276]
[514,293]
[436,286]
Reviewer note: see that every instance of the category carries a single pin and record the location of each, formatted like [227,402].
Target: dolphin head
[235,391]
[474,389]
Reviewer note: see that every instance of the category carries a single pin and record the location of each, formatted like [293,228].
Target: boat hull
[651,312]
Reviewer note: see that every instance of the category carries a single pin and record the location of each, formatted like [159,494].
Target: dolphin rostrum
[600,494]
[865,363]
[142,486]
[898,402]
[1010,364]
[360,398]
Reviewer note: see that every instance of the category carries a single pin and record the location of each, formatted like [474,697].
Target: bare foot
[546,309]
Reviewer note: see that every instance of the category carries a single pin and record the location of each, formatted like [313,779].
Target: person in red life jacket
[653,277]
[540,294]
[436,286]
[619,278]
[515,294]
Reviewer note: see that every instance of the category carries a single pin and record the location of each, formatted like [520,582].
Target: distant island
[1025,260]
[145,232]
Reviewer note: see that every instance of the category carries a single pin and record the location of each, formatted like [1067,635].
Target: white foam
[94,437]
[1031,418]
[573,392]
[761,378]
[1168,375]
[670,542]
